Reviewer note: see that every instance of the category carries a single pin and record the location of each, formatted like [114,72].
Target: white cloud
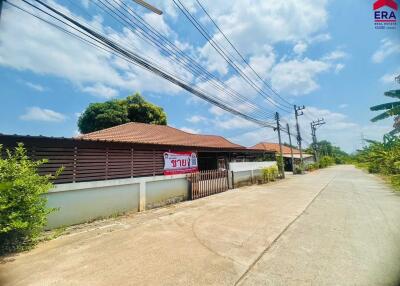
[297,77]
[300,48]
[343,105]
[100,90]
[232,122]
[196,119]
[335,55]
[215,110]
[387,48]
[35,86]
[41,114]
[389,78]
[252,137]
[47,51]
[251,24]
[158,22]
[190,130]
[339,67]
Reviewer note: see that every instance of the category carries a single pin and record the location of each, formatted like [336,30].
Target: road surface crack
[251,266]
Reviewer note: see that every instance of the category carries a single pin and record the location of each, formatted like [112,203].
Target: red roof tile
[142,133]
[274,147]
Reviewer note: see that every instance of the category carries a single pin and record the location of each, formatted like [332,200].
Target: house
[128,150]
[133,167]
[286,153]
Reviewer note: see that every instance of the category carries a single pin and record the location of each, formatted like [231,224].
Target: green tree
[140,110]
[111,113]
[392,109]
[325,148]
[23,211]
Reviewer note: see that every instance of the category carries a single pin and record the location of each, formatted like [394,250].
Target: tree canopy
[325,148]
[134,108]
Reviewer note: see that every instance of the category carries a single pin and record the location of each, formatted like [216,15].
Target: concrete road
[337,226]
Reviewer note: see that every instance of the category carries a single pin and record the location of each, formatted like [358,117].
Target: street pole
[314,144]
[314,126]
[278,128]
[1,7]
[291,147]
[297,113]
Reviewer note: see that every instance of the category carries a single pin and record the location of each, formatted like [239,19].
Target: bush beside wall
[23,211]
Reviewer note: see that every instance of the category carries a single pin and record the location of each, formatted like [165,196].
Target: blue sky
[323,54]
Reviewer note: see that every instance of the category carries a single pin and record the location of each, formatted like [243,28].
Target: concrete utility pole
[1,7]
[298,112]
[314,125]
[278,127]
[291,147]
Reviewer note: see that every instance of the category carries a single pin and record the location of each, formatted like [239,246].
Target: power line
[241,56]
[155,41]
[130,56]
[224,55]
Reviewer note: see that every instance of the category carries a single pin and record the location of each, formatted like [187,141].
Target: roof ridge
[102,130]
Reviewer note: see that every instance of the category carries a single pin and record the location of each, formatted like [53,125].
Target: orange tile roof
[143,133]
[274,147]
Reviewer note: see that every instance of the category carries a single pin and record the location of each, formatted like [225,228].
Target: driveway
[337,226]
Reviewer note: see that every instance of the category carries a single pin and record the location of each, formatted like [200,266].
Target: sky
[323,54]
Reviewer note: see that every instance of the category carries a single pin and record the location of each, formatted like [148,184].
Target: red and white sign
[180,163]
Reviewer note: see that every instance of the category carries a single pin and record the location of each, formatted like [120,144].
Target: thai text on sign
[180,163]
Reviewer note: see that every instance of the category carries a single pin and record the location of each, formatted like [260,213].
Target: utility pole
[278,127]
[291,147]
[1,7]
[298,112]
[314,125]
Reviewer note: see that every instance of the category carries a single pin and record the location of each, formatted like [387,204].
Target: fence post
[74,164]
[131,162]
[142,196]
[106,163]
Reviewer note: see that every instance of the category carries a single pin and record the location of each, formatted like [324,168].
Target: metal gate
[207,183]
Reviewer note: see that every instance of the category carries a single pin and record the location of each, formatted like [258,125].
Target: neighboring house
[128,150]
[274,147]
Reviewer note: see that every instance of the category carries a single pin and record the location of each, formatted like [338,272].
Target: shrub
[312,167]
[395,180]
[23,211]
[326,161]
[298,169]
[279,163]
[273,170]
[270,173]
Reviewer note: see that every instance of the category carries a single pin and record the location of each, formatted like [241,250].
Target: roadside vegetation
[327,154]
[381,158]
[134,108]
[384,158]
[270,174]
[23,211]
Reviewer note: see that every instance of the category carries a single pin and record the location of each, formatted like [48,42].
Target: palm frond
[394,131]
[381,116]
[384,106]
[391,112]
[393,93]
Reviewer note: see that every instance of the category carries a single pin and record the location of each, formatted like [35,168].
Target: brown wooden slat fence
[207,183]
[91,164]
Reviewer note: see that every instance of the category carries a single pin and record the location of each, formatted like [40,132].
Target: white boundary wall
[248,166]
[246,172]
[82,202]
